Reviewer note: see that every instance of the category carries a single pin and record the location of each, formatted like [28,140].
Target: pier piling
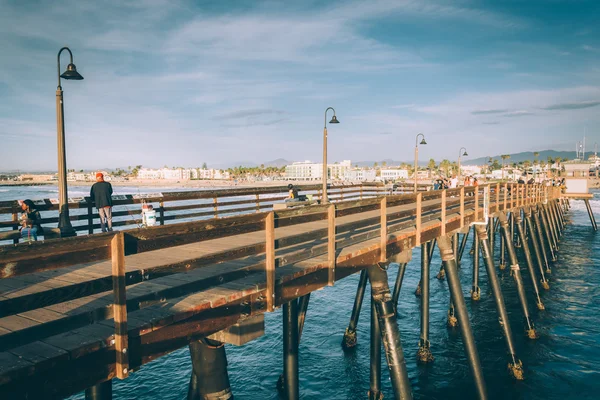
[516,273]
[101,391]
[209,378]
[461,309]
[529,261]
[424,353]
[398,283]
[375,357]
[538,234]
[388,328]
[536,252]
[475,290]
[591,214]
[350,339]
[515,366]
[291,387]
[547,233]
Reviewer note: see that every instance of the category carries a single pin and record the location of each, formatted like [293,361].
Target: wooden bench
[15,236]
[292,204]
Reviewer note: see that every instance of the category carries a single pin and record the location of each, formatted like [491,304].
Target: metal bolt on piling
[476,294]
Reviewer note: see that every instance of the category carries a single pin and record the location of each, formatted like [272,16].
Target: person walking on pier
[100,194]
[454,182]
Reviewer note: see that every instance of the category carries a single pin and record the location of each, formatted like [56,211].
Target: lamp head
[71,73]
[465,153]
[423,141]
[334,120]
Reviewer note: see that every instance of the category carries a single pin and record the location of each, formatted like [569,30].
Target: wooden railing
[377,217]
[173,207]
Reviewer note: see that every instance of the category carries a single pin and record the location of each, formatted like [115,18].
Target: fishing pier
[77,312]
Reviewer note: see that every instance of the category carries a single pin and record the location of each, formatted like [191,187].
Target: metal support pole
[291,387]
[461,309]
[455,239]
[209,378]
[101,391]
[547,233]
[536,252]
[398,284]
[424,353]
[516,273]
[302,308]
[530,266]
[591,214]
[375,357]
[502,264]
[540,238]
[390,334]
[515,365]
[463,245]
[475,290]
[349,339]
[550,224]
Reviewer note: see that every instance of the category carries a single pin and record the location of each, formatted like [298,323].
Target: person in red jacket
[100,194]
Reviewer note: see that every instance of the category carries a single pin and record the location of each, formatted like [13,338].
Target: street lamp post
[417,155]
[334,120]
[64,223]
[459,155]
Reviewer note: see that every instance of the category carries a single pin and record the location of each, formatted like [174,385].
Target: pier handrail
[455,208]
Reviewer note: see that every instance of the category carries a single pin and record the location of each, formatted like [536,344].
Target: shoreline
[203,183]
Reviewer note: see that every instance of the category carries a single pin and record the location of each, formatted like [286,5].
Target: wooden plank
[120,305]
[40,256]
[331,243]
[270,260]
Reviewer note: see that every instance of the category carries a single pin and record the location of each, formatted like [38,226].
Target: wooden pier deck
[75,312]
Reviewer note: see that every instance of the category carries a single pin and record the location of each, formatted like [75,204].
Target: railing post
[90,215]
[505,196]
[497,208]
[117,247]
[331,243]
[342,193]
[462,206]
[215,207]
[15,219]
[270,259]
[383,230]
[476,203]
[443,216]
[418,219]
[161,212]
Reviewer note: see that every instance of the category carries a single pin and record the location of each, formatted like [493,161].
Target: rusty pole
[445,247]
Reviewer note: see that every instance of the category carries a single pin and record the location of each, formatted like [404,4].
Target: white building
[470,169]
[308,171]
[393,174]
[359,174]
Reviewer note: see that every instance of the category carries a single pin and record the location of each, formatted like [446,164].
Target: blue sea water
[564,363]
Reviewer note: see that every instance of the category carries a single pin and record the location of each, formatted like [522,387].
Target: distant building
[308,171]
[359,174]
[394,174]
[181,174]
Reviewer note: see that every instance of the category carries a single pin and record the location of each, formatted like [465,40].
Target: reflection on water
[563,364]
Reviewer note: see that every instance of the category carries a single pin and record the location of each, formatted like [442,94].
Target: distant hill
[524,156]
[280,162]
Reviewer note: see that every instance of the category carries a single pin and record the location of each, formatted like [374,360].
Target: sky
[180,83]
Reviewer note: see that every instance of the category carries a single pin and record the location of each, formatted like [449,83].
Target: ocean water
[564,363]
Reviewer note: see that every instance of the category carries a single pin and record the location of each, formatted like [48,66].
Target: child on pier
[30,222]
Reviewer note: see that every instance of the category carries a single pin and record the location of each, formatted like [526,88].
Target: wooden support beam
[270,259]
[505,197]
[331,243]
[383,229]
[476,203]
[497,208]
[120,305]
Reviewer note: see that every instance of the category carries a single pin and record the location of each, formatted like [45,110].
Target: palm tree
[504,157]
[445,166]
[431,165]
